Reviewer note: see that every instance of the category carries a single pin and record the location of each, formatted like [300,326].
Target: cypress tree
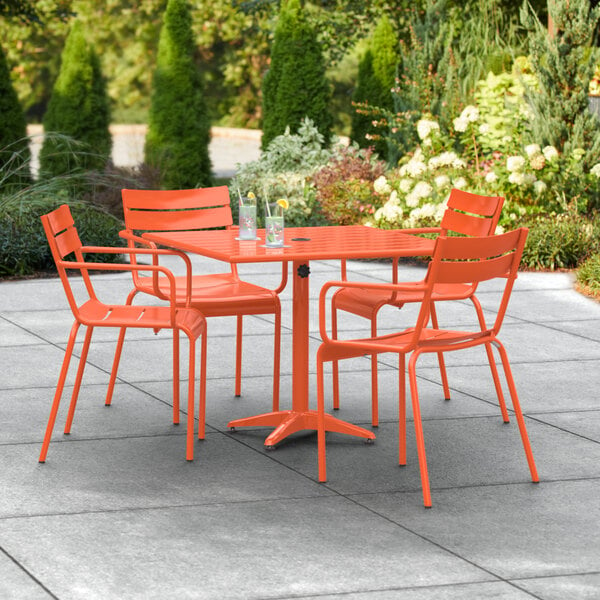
[14,146]
[179,126]
[376,77]
[78,108]
[295,86]
[564,64]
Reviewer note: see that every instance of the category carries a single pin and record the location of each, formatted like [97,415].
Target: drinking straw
[240,195]
[267,201]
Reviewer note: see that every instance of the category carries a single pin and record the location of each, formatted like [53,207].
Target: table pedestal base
[287,422]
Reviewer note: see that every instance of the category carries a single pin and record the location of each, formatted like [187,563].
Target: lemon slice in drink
[251,195]
[283,203]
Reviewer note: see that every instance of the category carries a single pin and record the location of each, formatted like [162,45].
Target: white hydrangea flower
[381,186]
[517,178]
[425,127]
[595,170]
[484,128]
[442,181]
[459,163]
[532,149]
[550,152]
[422,190]
[439,211]
[460,183]
[412,200]
[460,124]
[529,178]
[447,159]
[491,177]
[433,163]
[391,211]
[537,161]
[415,168]
[539,187]
[499,230]
[515,163]
[405,185]
[393,199]
[470,113]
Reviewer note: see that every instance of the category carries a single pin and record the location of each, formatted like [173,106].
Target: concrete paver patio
[117,512]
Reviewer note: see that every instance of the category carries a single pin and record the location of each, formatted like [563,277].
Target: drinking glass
[274,227]
[247,207]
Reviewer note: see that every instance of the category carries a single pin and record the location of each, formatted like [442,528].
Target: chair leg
[176,386]
[277,359]
[374,377]
[189,455]
[58,393]
[115,367]
[444,375]
[202,396]
[491,361]
[401,410]
[517,408]
[238,357]
[322,460]
[78,378]
[335,364]
[419,429]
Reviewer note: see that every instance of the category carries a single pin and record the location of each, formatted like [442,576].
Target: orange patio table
[301,245]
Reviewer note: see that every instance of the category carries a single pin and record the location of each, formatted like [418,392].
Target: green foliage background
[13,129]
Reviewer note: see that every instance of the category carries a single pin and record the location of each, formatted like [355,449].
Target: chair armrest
[155,268]
[84,265]
[388,287]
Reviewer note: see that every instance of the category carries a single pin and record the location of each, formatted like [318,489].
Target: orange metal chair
[215,295]
[466,214]
[91,312]
[456,261]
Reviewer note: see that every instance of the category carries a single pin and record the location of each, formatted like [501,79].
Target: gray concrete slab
[229,550]
[513,531]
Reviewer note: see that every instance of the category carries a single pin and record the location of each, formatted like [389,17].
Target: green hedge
[24,249]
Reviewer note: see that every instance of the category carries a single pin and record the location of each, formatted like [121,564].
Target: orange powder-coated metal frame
[214,294]
[301,245]
[466,214]
[455,261]
[64,242]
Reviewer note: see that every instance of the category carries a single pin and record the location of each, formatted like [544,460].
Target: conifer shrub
[14,146]
[78,109]
[376,77]
[179,126]
[295,86]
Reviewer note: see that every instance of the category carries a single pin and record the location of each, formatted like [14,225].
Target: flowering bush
[349,188]
[532,179]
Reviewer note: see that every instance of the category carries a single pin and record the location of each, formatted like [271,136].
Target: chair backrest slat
[176,210]
[474,272]
[471,261]
[60,219]
[63,240]
[67,242]
[472,214]
[177,220]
